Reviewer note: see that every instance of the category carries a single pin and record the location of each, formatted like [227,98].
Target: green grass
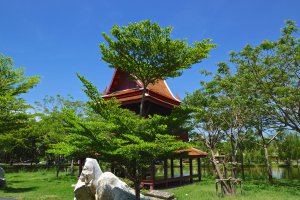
[38,185]
[44,185]
[253,190]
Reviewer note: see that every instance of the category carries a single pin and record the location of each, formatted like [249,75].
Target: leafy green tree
[208,125]
[235,105]
[148,53]
[224,101]
[271,73]
[274,69]
[13,116]
[288,145]
[49,126]
[118,135]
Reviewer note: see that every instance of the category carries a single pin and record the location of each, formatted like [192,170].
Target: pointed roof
[121,81]
[193,152]
[128,91]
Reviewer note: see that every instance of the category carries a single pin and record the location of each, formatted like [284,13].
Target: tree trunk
[142,102]
[242,165]
[225,170]
[137,189]
[136,178]
[219,173]
[234,166]
[234,153]
[80,166]
[11,160]
[268,165]
[72,167]
[57,168]
[137,181]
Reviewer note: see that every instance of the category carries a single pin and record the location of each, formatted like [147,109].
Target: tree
[50,125]
[147,52]
[234,108]
[207,125]
[13,116]
[272,78]
[288,145]
[274,69]
[114,134]
[222,102]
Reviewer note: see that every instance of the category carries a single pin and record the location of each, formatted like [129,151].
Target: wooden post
[166,171]
[152,176]
[152,171]
[191,169]
[172,168]
[181,167]
[199,168]
[166,168]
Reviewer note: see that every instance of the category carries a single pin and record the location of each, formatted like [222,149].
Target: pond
[277,172]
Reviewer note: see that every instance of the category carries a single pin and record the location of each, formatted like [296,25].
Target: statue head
[88,172]
[91,170]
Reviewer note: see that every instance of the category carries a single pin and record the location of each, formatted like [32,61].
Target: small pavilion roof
[193,152]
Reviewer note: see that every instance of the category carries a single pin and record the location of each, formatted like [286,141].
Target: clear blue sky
[57,38]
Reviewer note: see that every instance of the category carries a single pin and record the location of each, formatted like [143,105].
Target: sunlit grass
[43,184]
[253,190]
[38,185]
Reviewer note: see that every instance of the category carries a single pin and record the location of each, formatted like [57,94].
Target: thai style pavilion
[158,100]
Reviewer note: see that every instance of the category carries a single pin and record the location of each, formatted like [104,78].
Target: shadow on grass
[18,190]
[16,181]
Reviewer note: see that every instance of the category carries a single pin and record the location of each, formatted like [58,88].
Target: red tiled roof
[127,90]
[161,87]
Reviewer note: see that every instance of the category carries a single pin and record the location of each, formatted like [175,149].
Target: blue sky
[58,38]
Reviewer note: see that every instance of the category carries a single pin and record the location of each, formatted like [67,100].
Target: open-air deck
[173,171]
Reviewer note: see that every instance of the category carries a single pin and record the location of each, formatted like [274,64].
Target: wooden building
[158,100]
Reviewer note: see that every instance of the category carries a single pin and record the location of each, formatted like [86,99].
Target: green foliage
[288,146]
[253,102]
[117,135]
[272,72]
[49,126]
[12,84]
[13,117]
[148,53]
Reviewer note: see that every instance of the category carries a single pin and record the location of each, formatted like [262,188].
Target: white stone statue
[95,185]
[86,186]
[111,187]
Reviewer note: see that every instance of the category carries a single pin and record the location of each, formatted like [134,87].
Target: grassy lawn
[44,185]
[38,185]
[254,190]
